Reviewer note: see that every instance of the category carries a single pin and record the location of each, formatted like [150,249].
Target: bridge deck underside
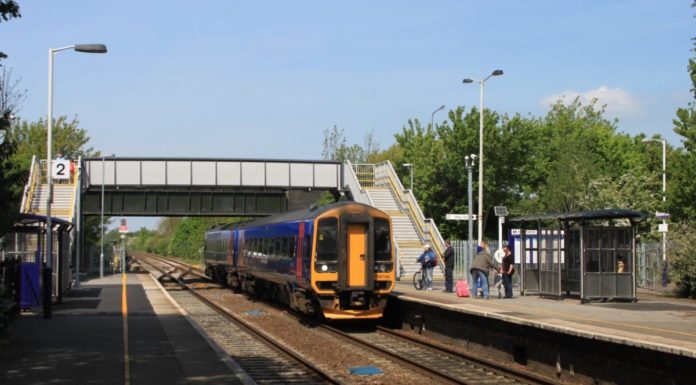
[186,203]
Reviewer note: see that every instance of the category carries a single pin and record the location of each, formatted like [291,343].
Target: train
[336,261]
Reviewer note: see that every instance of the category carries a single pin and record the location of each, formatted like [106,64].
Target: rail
[353,183]
[30,187]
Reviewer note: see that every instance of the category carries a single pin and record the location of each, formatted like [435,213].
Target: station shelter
[588,254]
[26,242]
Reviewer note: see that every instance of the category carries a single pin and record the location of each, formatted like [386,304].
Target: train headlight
[324,268]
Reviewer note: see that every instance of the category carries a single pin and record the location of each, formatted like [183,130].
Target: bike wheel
[418,280]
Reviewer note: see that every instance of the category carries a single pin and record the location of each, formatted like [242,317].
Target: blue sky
[259,79]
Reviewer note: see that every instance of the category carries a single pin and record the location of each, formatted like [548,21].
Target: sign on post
[459,217]
[124,227]
[60,169]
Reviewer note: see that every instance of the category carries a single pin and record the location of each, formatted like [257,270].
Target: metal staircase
[379,186]
[36,192]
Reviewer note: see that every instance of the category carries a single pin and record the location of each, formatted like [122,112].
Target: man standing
[448,256]
[479,269]
[427,260]
[508,270]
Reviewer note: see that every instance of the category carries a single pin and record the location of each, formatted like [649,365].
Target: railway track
[419,359]
[263,359]
[443,364]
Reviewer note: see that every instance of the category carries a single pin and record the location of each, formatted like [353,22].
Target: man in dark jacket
[479,269]
[448,256]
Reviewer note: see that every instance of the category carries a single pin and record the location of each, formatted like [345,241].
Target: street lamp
[86,48]
[101,224]
[410,168]
[480,176]
[470,162]
[664,191]
[432,116]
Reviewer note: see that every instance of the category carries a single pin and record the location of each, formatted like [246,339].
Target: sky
[264,79]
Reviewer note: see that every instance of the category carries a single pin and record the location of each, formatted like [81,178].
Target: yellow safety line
[603,321]
[124,311]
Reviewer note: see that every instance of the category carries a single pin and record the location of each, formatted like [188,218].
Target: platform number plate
[60,169]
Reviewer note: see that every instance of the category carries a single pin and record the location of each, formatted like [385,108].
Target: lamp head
[90,48]
[647,140]
[466,81]
[497,72]
[407,165]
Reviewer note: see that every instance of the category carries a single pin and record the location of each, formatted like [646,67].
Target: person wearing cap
[480,266]
[427,260]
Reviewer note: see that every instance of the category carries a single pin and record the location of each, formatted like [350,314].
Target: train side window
[292,247]
[327,245]
[382,240]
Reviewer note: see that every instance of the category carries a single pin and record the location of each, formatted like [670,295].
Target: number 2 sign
[60,169]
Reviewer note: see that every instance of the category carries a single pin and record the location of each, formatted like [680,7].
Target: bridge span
[204,187]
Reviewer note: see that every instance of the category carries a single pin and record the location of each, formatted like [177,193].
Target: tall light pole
[480,176]
[432,116]
[86,48]
[470,162]
[410,168]
[664,191]
[101,223]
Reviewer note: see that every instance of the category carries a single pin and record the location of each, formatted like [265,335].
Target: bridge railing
[192,172]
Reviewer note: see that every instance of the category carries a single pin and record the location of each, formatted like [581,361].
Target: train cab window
[327,245]
[382,240]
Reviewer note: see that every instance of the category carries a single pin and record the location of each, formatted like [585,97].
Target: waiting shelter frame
[578,254]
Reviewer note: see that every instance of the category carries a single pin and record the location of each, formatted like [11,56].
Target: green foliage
[12,176]
[681,255]
[335,147]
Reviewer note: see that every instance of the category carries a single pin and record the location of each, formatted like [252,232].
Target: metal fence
[651,270]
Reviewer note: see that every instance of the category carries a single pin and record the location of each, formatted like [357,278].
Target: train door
[357,254]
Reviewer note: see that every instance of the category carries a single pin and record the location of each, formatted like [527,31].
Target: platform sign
[124,227]
[662,227]
[459,217]
[60,169]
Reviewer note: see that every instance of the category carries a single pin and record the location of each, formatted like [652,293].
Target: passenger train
[336,261]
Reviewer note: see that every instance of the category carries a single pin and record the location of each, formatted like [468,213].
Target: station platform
[92,338]
[658,323]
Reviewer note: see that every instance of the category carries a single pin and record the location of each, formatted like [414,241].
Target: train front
[353,269]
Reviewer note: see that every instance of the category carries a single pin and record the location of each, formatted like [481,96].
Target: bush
[681,251]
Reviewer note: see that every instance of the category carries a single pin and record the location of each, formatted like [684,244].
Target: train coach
[336,260]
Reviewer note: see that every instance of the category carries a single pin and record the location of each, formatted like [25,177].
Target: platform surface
[654,322]
[83,342]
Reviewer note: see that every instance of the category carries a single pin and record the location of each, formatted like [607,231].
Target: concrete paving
[87,341]
[661,323]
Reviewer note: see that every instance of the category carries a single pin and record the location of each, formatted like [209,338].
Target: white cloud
[618,101]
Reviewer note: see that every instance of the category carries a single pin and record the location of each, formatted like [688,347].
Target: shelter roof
[633,216]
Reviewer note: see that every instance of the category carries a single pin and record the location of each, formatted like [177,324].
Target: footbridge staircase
[378,185]
[36,192]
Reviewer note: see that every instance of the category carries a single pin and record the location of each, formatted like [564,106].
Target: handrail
[353,183]
[30,187]
[422,223]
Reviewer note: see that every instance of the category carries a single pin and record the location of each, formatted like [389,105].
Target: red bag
[463,288]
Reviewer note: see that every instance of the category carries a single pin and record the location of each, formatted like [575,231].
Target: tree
[8,9]
[335,147]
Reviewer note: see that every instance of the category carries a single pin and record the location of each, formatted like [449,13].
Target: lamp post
[664,191]
[101,223]
[480,176]
[410,168]
[86,48]
[470,162]
[432,116]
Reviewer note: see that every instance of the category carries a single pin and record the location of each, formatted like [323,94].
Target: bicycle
[419,279]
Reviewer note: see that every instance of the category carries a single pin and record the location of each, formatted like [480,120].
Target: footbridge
[203,187]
